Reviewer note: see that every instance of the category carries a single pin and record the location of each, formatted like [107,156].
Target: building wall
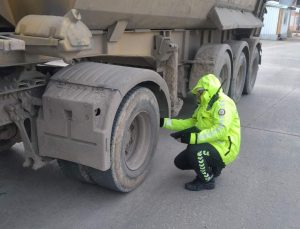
[295,22]
[286,14]
[269,30]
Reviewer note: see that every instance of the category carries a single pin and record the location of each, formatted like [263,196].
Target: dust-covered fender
[79,107]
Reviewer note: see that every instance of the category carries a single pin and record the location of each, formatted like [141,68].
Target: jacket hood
[211,84]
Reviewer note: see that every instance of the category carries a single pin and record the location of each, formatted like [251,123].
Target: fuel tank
[140,14]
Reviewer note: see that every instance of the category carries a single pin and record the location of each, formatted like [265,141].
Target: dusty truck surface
[128,64]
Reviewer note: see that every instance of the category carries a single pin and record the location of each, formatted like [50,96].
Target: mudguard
[79,106]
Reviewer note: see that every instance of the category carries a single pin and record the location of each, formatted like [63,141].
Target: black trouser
[203,158]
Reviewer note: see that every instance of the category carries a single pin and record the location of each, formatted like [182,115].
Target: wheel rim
[136,143]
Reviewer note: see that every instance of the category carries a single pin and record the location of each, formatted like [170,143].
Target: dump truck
[84,82]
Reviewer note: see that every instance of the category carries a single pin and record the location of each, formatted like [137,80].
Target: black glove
[182,137]
[185,138]
[161,122]
[186,132]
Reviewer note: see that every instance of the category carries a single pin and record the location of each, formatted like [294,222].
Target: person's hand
[161,122]
[185,138]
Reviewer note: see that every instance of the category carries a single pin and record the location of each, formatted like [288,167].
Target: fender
[79,107]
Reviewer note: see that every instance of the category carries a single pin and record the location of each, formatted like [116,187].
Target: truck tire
[74,171]
[225,72]
[215,59]
[252,73]
[239,77]
[134,140]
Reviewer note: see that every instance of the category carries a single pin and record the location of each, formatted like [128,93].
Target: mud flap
[79,108]
[74,123]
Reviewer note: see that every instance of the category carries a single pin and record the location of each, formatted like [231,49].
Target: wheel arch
[162,97]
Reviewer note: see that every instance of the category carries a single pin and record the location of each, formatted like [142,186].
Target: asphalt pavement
[261,189]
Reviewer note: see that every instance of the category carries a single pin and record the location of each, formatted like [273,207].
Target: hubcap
[137,141]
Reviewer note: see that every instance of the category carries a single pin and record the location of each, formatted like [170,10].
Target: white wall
[285,23]
[270,23]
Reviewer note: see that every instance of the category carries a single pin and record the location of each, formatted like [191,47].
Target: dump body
[142,14]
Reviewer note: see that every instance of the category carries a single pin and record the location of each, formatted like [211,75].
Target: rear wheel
[214,59]
[239,77]
[224,72]
[252,73]
[133,143]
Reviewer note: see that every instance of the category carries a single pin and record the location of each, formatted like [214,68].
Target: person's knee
[178,163]
[192,154]
[193,148]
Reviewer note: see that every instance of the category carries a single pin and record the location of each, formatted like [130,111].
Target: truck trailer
[126,64]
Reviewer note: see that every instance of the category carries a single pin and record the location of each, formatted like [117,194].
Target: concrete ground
[260,190]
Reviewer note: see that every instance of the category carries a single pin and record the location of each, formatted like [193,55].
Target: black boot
[198,185]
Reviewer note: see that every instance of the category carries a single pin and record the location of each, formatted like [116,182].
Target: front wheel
[133,142]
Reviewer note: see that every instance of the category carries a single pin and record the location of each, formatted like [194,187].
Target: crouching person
[212,134]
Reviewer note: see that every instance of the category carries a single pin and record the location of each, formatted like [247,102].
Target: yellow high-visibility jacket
[219,124]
